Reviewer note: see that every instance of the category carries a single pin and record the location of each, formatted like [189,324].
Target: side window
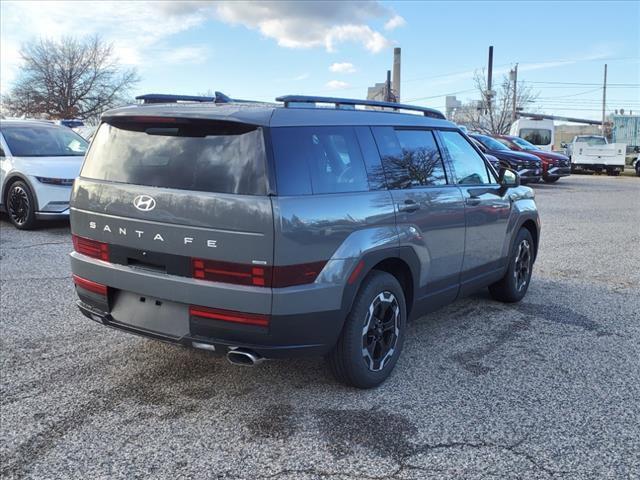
[469,167]
[410,158]
[375,173]
[327,157]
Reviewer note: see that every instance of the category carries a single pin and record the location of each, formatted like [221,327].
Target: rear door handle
[409,206]
[472,201]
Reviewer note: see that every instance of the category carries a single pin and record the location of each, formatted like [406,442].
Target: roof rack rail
[218,97]
[351,103]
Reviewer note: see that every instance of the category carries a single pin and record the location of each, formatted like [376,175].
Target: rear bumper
[304,320]
[599,166]
[287,336]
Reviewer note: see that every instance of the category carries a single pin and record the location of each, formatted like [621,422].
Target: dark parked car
[528,166]
[554,165]
[273,230]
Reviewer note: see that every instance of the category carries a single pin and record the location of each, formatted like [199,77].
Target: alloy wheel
[380,331]
[19,205]
[522,269]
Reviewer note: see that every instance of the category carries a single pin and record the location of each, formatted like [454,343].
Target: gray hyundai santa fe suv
[272,230]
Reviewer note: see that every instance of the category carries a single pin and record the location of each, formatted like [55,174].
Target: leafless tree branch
[70,78]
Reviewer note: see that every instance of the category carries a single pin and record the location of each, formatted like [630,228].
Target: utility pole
[604,97]
[514,77]
[387,87]
[489,93]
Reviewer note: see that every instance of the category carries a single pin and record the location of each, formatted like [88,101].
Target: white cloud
[188,54]
[302,76]
[395,22]
[337,85]
[9,61]
[342,67]
[309,24]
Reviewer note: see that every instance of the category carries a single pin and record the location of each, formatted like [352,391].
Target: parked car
[266,231]
[39,161]
[554,165]
[70,122]
[528,166]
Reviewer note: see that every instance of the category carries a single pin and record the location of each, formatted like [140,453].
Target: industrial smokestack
[396,73]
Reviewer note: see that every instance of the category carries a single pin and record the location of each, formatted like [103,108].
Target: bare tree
[70,78]
[493,115]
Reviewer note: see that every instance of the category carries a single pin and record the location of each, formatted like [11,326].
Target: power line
[587,84]
[438,96]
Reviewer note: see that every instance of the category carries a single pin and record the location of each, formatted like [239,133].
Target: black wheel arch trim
[373,258]
[536,240]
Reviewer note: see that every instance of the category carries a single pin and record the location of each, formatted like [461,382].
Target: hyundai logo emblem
[144,203]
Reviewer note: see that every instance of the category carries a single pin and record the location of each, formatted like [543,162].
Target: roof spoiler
[350,104]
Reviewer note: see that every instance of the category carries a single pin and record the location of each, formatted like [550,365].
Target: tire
[551,179]
[21,206]
[612,173]
[515,283]
[638,168]
[380,292]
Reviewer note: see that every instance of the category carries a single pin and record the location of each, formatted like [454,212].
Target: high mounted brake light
[91,248]
[256,275]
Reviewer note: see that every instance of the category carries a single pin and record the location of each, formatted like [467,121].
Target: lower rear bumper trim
[221,347]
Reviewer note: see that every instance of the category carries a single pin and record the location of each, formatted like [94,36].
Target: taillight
[89,285]
[256,275]
[229,316]
[227,272]
[91,248]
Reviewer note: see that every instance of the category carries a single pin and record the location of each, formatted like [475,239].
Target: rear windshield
[220,157]
[43,141]
[591,140]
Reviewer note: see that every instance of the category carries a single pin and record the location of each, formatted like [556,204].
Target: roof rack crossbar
[341,102]
[218,97]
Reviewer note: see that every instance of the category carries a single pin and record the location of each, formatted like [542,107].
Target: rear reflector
[300,274]
[91,248]
[89,285]
[356,271]
[259,276]
[230,316]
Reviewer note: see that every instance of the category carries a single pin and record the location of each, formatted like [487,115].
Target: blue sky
[263,49]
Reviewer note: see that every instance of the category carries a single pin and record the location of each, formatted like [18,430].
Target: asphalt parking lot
[549,388]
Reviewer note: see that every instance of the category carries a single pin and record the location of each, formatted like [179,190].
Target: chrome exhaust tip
[243,357]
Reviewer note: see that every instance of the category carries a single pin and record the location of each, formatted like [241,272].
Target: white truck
[593,152]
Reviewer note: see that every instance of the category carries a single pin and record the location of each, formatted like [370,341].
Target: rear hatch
[178,196]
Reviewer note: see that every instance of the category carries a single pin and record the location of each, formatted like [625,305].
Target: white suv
[38,163]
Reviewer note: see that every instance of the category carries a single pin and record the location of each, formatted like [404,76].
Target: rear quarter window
[219,157]
[318,160]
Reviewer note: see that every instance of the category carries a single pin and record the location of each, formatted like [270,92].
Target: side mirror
[508,178]
[563,145]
